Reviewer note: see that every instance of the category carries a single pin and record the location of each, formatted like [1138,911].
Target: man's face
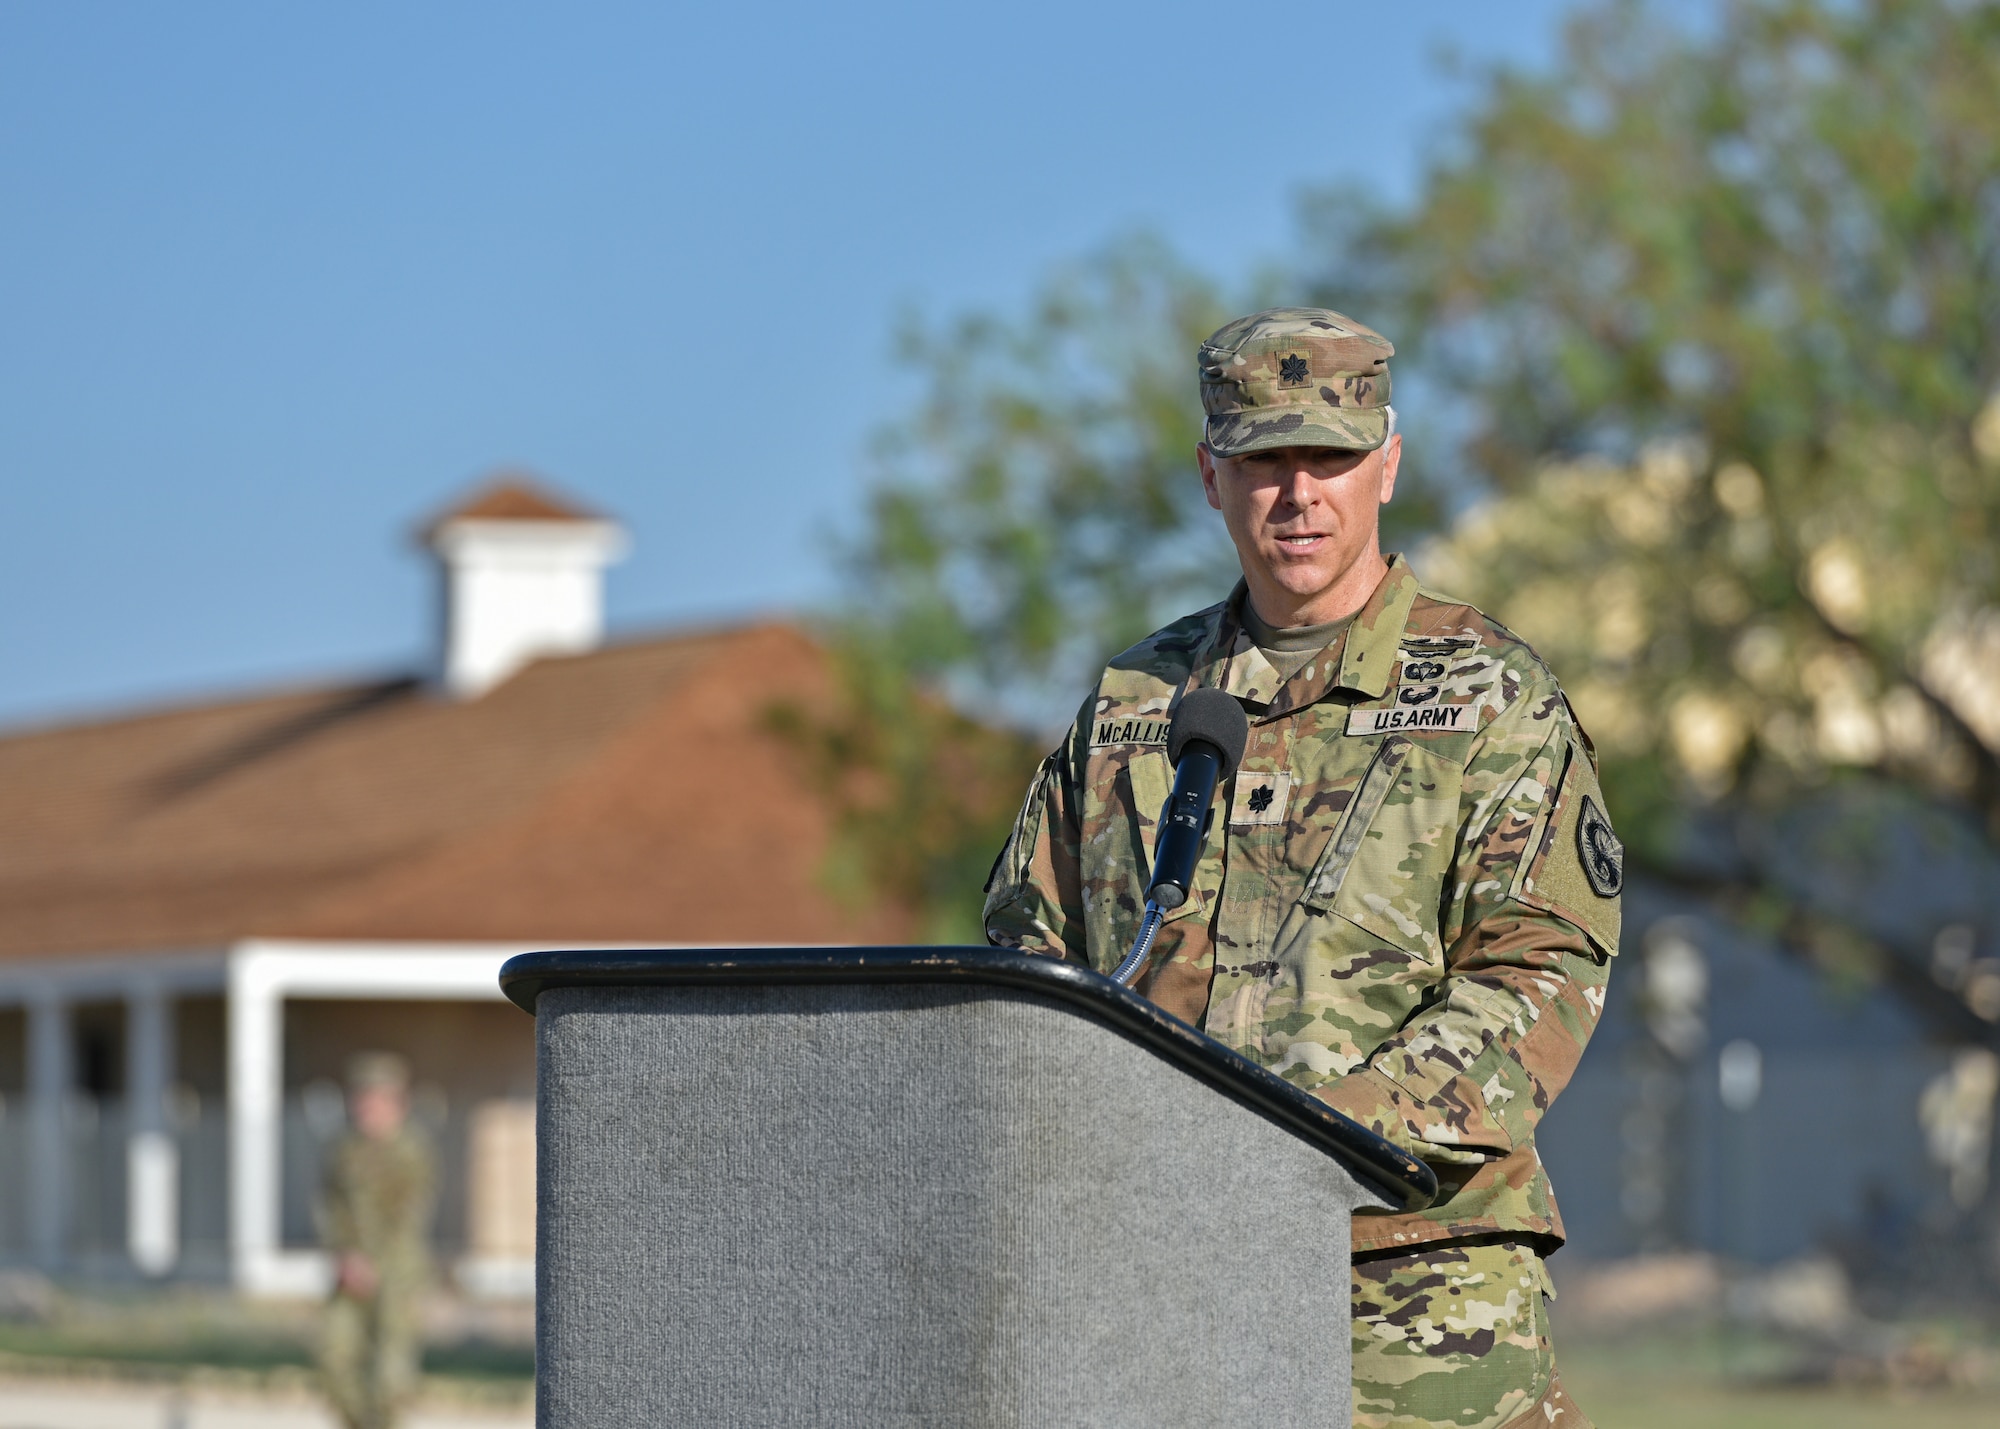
[378,1112]
[1305,521]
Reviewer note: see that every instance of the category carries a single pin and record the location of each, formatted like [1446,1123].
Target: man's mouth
[1301,543]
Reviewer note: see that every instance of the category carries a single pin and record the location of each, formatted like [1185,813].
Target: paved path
[63,1404]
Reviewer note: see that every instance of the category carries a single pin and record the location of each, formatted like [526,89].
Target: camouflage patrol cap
[369,1070]
[1295,377]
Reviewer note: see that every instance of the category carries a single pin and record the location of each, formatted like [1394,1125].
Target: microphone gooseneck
[1142,946]
[1205,741]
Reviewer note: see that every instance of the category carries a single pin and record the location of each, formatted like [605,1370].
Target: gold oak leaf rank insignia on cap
[1603,856]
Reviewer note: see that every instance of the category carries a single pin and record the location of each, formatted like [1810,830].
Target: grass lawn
[1690,1376]
[1616,1401]
[1709,1377]
[209,1334]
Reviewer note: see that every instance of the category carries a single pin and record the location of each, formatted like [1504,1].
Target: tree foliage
[1767,236]
[923,794]
[1039,510]
[1720,315]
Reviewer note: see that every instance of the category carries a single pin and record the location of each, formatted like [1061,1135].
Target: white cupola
[522,575]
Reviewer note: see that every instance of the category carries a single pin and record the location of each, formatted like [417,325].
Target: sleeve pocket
[1010,868]
[1576,868]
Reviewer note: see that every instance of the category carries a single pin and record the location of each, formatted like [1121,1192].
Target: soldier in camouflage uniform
[1409,900]
[375,1218]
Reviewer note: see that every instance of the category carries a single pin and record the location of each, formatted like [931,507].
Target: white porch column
[48,1069]
[256,1104]
[152,1158]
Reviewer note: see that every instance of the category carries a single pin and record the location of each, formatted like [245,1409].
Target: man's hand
[356,1276]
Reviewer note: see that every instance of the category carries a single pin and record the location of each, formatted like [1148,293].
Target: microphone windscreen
[1212,715]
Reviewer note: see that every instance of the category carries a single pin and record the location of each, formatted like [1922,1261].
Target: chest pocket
[1383,868]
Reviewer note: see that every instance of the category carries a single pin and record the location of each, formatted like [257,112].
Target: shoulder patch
[1603,856]
[1574,865]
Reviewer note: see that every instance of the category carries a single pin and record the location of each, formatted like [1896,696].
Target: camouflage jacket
[1408,909]
[378,1200]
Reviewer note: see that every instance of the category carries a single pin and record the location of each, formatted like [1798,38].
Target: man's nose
[1300,489]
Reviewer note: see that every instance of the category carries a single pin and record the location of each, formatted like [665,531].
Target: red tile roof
[636,792]
[509,496]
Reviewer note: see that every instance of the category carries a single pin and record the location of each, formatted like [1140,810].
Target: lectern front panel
[923,1205]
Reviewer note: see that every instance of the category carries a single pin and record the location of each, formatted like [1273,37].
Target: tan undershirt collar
[1290,648]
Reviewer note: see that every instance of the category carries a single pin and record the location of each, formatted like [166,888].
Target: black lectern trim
[1401,1179]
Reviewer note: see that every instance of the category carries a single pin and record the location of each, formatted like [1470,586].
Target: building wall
[97,1056]
[201,1040]
[199,1111]
[13,1052]
[13,1129]
[1828,1150]
[467,1050]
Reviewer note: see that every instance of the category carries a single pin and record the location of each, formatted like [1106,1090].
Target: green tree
[922,793]
[1037,511]
[1040,509]
[1717,316]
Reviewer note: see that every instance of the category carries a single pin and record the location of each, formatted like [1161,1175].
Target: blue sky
[278,281]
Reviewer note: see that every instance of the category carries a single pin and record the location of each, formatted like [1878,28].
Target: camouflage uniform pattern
[1409,896]
[1295,377]
[378,1199]
[1456,1335]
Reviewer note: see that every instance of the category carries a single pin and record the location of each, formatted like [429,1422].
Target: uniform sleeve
[423,1188]
[1034,896]
[337,1229]
[1530,922]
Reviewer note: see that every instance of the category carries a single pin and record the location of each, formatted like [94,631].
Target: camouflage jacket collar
[1359,659]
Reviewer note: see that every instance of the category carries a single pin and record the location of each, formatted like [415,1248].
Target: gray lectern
[926,1187]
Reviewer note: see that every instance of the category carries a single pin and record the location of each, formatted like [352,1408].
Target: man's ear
[1392,458]
[1205,459]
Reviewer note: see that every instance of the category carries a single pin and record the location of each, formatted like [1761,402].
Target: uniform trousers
[370,1352]
[1456,1334]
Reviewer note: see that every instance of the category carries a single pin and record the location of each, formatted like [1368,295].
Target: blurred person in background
[1410,902]
[376,1207]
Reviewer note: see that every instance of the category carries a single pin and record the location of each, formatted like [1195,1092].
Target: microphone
[1204,741]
